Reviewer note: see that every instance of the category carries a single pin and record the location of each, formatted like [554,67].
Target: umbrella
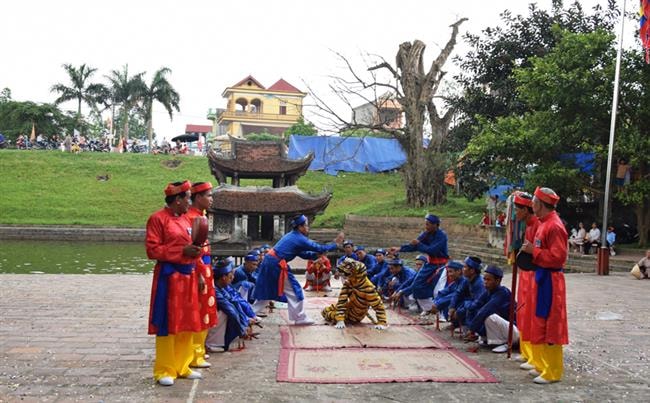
[186,138]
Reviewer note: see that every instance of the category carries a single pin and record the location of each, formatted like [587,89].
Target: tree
[127,92]
[568,92]
[16,118]
[488,87]
[302,128]
[414,88]
[162,91]
[81,89]
[5,95]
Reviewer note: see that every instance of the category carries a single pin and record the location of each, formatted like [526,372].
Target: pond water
[56,257]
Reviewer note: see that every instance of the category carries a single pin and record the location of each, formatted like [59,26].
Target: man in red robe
[174,307]
[549,327]
[201,201]
[526,291]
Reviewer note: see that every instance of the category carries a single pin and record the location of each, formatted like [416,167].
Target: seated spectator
[318,274]
[398,275]
[365,258]
[501,220]
[380,257]
[235,315]
[644,265]
[348,251]
[493,310]
[409,301]
[578,239]
[592,238]
[245,277]
[611,240]
[463,304]
[442,301]
[485,220]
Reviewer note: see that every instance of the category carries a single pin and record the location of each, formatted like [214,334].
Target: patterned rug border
[283,370]
[286,340]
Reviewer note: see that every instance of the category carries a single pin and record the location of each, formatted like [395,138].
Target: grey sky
[210,45]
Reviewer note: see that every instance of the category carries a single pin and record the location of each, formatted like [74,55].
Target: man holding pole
[549,327]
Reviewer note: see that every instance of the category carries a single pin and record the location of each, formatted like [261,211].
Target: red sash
[284,272]
[440,261]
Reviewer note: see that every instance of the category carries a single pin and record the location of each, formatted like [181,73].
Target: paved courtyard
[83,338]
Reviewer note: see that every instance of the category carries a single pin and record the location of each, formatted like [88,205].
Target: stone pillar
[244,225]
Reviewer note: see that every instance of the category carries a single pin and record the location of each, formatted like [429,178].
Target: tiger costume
[357,296]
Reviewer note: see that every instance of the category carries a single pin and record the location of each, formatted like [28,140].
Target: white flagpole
[603,256]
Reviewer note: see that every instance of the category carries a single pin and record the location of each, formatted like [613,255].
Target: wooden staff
[511,318]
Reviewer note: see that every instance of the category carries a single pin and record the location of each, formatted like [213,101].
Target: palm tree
[162,91]
[81,89]
[126,91]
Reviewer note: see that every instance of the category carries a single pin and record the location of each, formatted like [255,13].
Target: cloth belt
[438,260]
[160,318]
[284,272]
[544,291]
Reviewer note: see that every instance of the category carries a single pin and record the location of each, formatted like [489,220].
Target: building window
[283,108]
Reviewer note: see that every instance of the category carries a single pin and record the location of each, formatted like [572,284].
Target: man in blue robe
[380,258]
[235,316]
[348,251]
[491,319]
[408,300]
[275,279]
[399,274]
[432,242]
[246,277]
[442,301]
[365,258]
[464,304]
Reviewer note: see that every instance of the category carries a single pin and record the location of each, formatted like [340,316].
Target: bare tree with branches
[415,90]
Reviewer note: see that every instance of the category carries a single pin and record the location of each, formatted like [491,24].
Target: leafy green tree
[126,91]
[5,95]
[159,90]
[488,86]
[302,128]
[264,137]
[81,90]
[16,118]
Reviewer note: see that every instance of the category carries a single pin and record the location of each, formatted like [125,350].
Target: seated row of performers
[474,302]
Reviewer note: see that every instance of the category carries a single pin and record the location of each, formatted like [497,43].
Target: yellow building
[252,108]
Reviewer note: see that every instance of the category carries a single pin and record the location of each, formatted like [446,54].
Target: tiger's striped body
[357,296]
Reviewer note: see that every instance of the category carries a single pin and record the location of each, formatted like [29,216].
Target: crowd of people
[200,307]
[79,143]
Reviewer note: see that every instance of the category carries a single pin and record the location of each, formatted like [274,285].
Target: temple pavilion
[242,217]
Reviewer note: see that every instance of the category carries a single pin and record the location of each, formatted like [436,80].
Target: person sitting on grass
[491,321]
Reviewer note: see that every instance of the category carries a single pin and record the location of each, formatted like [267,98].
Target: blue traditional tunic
[235,313]
[465,299]
[244,279]
[497,301]
[434,244]
[404,276]
[377,268]
[291,245]
[370,261]
[444,297]
[342,258]
[381,272]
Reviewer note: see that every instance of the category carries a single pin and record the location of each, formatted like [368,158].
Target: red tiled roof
[198,128]
[282,85]
[251,78]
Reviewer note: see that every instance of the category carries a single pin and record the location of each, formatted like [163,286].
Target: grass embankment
[55,188]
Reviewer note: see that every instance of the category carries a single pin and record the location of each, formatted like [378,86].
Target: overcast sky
[210,45]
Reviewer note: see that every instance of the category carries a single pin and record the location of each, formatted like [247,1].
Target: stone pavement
[83,338]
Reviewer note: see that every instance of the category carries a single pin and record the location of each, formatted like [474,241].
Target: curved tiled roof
[287,200]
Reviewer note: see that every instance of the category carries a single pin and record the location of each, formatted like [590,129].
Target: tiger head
[352,270]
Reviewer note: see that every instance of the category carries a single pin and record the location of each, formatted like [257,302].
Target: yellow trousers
[174,353]
[553,362]
[198,344]
[524,348]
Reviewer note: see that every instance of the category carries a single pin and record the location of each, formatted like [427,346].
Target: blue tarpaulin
[583,161]
[350,154]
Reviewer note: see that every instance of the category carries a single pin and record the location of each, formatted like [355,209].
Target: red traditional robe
[167,235]
[527,292]
[318,267]
[207,299]
[550,253]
